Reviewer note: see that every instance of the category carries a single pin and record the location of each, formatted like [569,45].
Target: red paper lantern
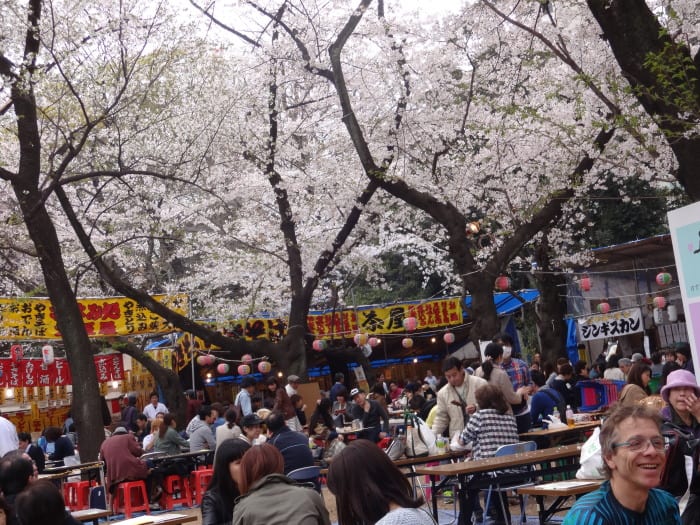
[373,342]
[243,370]
[319,345]
[664,279]
[410,324]
[16,352]
[659,302]
[502,283]
[603,308]
[223,368]
[360,339]
[247,359]
[448,337]
[407,342]
[585,283]
[264,367]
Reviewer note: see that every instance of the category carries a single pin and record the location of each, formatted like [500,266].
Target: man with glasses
[634,455]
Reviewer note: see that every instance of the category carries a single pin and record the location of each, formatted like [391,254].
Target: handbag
[396,448]
[420,440]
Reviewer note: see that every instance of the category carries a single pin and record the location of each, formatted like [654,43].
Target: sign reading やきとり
[32,318]
[614,324]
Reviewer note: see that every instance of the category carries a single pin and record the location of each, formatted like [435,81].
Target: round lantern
[264,367]
[16,352]
[585,283]
[663,279]
[658,316]
[223,368]
[47,354]
[410,324]
[448,337]
[603,308]
[373,342]
[247,359]
[502,283]
[407,342]
[202,360]
[672,313]
[319,345]
[659,301]
[243,370]
[360,339]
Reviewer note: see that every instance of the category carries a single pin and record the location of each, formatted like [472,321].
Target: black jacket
[216,511]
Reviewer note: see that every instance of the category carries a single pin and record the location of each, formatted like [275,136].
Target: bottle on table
[569,416]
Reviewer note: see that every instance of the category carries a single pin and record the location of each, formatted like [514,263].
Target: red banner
[33,372]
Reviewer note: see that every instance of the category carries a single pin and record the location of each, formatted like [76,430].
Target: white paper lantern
[47,354]
[658,316]
[672,313]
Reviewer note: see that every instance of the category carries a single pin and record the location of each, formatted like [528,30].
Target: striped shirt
[601,508]
[488,430]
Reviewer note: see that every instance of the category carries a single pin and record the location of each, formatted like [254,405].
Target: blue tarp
[506,303]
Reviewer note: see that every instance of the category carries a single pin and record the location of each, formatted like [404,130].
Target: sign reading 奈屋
[615,324]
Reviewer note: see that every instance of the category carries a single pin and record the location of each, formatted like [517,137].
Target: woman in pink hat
[682,431]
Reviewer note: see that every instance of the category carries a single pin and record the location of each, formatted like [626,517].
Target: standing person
[637,387]
[339,383]
[154,406]
[455,400]
[371,414]
[193,404]
[229,429]
[270,497]
[244,399]
[129,413]
[633,451]
[283,404]
[519,375]
[219,500]
[292,385]
[33,451]
[385,497]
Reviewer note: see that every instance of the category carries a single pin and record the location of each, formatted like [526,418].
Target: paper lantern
[659,301]
[410,324]
[603,308]
[47,354]
[407,342]
[223,368]
[243,370]
[319,345]
[264,367]
[663,279]
[202,360]
[360,339]
[16,352]
[672,313]
[502,283]
[658,316]
[448,337]
[247,359]
[585,283]
[373,342]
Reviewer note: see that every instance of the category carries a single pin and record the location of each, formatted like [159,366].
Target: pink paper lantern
[264,367]
[502,283]
[448,337]
[319,345]
[603,308]
[410,324]
[243,370]
[360,339]
[223,368]
[247,359]
[659,302]
[202,360]
[585,283]
[407,342]
[373,342]
[664,279]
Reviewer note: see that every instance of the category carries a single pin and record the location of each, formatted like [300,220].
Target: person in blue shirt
[634,456]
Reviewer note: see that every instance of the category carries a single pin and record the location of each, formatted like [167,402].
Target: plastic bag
[396,448]
[420,440]
[591,458]
[554,422]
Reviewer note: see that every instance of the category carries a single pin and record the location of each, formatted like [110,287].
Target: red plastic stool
[176,491]
[199,479]
[76,494]
[131,497]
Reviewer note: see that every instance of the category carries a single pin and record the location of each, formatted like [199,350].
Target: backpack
[556,396]
[679,445]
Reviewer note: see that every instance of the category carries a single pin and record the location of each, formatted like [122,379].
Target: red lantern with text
[664,279]
[603,308]
[585,283]
[410,324]
[659,302]
[247,359]
[449,338]
[243,370]
[360,339]
[16,352]
[502,283]
[407,342]
[223,368]
[319,345]
[373,342]
[264,367]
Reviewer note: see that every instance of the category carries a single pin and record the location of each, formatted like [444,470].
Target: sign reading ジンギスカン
[29,318]
[615,324]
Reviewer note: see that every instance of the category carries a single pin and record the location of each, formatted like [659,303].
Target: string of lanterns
[244,368]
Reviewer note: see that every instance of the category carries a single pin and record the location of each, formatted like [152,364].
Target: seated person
[121,453]
[42,502]
[293,445]
[63,446]
[32,450]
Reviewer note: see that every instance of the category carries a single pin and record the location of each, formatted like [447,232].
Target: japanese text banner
[614,324]
[33,372]
[35,319]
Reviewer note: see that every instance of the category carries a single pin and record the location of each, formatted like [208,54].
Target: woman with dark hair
[493,373]
[385,496]
[272,498]
[168,440]
[637,387]
[219,499]
[42,502]
[321,420]
[63,446]
[283,404]
[228,430]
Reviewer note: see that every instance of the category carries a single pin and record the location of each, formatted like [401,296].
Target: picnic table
[554,436]
[561,491]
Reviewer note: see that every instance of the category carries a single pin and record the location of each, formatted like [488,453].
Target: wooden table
[169,518]
[556,435]
[93,515]
[561,491]
[463,470]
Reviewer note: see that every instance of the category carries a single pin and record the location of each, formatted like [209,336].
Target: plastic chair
[199,479]
[312,474]
[131,497]
[506,450]
[176,492]
[76,494]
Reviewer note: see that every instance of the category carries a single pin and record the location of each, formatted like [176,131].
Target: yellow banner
[34,318]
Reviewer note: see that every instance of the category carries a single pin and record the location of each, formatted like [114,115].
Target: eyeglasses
[641,444]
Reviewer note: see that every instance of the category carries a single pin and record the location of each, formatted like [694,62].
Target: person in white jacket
[455,400]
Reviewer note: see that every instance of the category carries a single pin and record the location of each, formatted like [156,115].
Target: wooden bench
[561,491]
[92,515]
